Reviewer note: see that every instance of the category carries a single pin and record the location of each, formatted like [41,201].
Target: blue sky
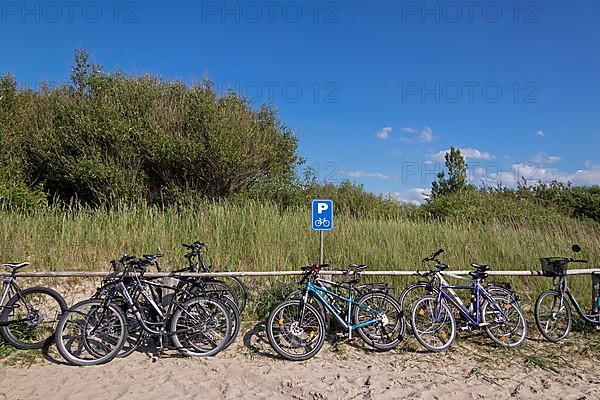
[375,91]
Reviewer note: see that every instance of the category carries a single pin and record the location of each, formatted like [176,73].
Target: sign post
[322,220]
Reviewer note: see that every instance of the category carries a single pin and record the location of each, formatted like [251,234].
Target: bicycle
[296,329]
[422,288]
[94,331]
[553,315]
[28,317]
[434,325]
[349,274]
[196,263]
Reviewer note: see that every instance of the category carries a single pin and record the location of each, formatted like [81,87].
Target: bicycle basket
[554,266]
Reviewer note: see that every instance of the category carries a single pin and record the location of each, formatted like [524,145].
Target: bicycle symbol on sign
[322,222]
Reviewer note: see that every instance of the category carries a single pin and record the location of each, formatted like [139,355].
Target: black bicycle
[28,317]
[553,315]
[197,263]
[94,331]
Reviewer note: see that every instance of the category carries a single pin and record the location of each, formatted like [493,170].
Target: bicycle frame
[447,293]
[563,288]
[9,286]
[319,293]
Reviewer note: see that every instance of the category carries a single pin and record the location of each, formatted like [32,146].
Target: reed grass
[262,237]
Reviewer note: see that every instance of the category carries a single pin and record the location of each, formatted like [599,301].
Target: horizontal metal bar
[82,274]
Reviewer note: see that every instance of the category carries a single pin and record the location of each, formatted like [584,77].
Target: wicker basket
[554,266]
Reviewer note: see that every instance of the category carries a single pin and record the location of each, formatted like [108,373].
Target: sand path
[248,370]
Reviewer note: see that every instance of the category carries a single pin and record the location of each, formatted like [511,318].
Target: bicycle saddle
[358,267]
[153,256]
[481,267]
[478,274]
[15,266]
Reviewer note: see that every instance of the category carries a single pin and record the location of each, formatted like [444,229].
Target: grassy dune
[260,237]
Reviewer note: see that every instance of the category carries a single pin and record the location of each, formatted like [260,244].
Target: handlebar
[433,256]
[197,245]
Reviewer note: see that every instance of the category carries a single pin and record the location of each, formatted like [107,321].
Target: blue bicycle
[296,328]
[496,311]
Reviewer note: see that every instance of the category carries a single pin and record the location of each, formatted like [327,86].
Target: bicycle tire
[16,334]
[242,292]
[505,311]
[114,337]
[234,314]
[421,288]
[294,334]
[448,317]
[212,314]
[379,335]
[544,326]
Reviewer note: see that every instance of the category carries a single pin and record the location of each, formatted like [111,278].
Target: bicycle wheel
[411,294]
[241,291]
[234,315]
[201,327]
[91,333]
[299,294]
[292,337]
[507,325]
[215,287]
[433,324]
[553,316]
[30,317]
[387,330]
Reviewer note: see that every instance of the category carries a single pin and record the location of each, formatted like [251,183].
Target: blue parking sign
[322,215]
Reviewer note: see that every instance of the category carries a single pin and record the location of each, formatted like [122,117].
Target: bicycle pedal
[483,324]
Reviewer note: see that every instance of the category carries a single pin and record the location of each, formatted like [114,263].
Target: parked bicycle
[553,315]
[296,328]
[348,275]
[94,331]
[500,315]
[422,288]
[197,263]
[28,317]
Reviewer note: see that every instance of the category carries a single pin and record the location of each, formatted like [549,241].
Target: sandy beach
[473,369]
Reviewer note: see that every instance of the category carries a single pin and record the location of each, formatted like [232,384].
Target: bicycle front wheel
[384,318]
[91,333]
[507,325]
[411,294]
[296,330]
[30,317]
[553,316]
[433,324]
[201,327]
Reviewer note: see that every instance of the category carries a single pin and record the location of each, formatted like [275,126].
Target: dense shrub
[108,138]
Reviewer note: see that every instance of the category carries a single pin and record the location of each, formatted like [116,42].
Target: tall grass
[259,237]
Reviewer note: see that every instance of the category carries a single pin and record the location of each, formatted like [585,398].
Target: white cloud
[423,136]
[540,133]
[413,196]
[384,133]
[534,173]
[366,174]
[468,153]
[426,135]
[543,158]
